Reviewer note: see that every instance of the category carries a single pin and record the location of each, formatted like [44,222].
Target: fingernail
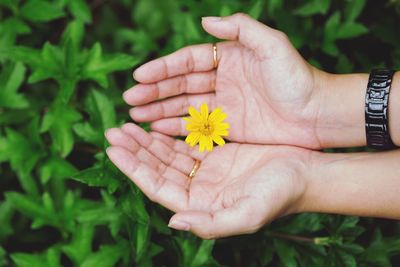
[124,95]
[134,75]
[179,225]
[212,19]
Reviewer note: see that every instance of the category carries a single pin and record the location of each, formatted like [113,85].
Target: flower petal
[217,115]
[204,111]
[192,127]
[193,138]
[202,143]
[218,140]
[221,126]
[209,144]
[195,114]
[221,132]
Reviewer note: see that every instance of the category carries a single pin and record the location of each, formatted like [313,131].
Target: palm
[268,97]
[266,103]
[264,180]
[236,172]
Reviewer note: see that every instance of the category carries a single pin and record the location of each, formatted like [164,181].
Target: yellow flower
[205,128]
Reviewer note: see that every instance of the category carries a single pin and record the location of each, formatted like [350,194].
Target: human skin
[240,187]
[270,93]
[272,96]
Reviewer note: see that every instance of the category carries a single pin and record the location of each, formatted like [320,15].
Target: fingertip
[150,72]
[109,133]
[211,19]
[137,114]
[179,224]
[138,133]
[126,96]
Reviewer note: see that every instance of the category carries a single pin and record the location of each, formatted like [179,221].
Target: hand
[237,189]
[270,93]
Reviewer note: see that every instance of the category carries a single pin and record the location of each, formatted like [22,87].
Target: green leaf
[102,117]
[40,11]
[203,253]
[25,54]
[80,10]
[81,246]
[98,176]
[256,9]
[7,228]
[287,254]
[354,9]
[313,7]
[23,155]
[10,29]
[331,26]
[97,66]
[11,4]
[273,5]
[107,256]
[351,30]
[11,79]
[59,121]
[330,31]
[31,208]
[381,249]
[28,260]
[303,223]
[195,252]
[56,168]
[3,257]
[133,206]
[74,33]
[141,233]
[51,258]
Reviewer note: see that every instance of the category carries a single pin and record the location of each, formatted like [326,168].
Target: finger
[189,59]
[193,83]
[116,137]
[179,145]
[171,107]
[156,187]
[170,126]
[159,149]
[235,220]
[248,31]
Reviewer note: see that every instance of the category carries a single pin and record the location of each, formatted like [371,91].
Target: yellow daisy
[205,128]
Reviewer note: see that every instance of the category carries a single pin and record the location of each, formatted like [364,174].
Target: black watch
[376,109]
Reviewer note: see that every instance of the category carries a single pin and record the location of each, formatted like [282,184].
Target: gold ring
[215,58]
[194,169]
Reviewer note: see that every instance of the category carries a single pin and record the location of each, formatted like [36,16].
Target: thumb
[240,27]
[238,219]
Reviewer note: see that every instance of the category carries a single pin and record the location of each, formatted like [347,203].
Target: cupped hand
[237,188]
[271,95]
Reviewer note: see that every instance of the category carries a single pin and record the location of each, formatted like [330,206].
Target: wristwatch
[376,109]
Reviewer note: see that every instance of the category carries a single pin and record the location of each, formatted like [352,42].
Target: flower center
[206,129]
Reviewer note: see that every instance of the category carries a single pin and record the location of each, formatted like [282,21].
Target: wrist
[341,118]
[309,175]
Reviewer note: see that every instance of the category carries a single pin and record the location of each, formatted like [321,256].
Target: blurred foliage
[64,66]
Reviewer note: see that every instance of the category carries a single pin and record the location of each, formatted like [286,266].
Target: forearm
[363,184]
[341,120]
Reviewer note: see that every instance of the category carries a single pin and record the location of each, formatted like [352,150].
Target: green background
[64,66]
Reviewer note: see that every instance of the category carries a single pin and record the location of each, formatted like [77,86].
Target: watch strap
[376,109]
